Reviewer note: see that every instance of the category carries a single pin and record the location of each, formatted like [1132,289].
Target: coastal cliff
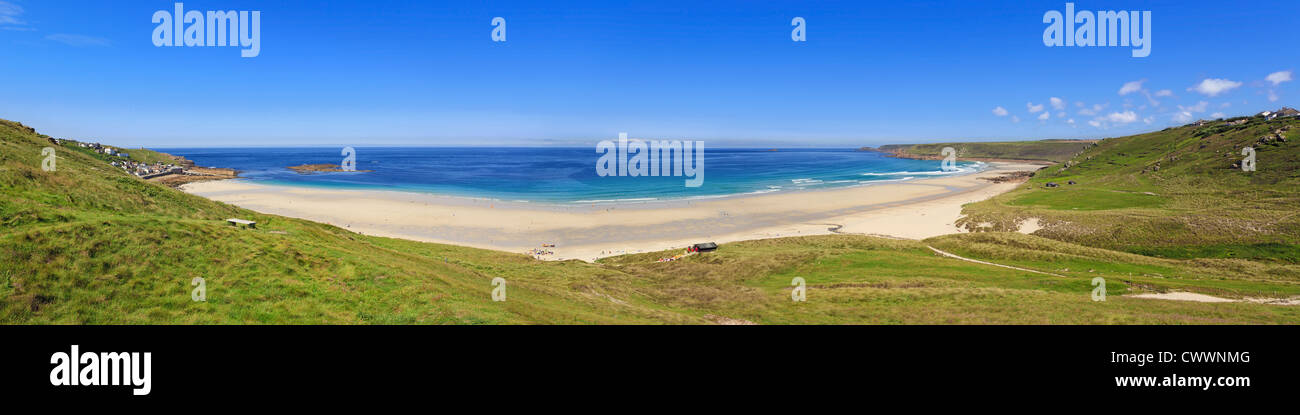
[1054,151]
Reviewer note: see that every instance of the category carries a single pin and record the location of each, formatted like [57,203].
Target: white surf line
[990,263]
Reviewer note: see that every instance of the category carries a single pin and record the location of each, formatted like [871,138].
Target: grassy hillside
[1044,150]
[1173,193]
[90,244]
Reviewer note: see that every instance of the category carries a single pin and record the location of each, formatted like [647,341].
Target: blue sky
[368,73]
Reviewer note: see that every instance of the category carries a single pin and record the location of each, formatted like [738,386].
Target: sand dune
[913,209]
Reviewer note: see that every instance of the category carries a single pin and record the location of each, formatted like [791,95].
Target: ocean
[565,175]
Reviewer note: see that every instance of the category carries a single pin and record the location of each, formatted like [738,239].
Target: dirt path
[990,263]
[1202,298]
[1173,296]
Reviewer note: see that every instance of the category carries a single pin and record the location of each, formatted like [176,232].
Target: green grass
[859,279]
[89,244]
[1274,252]
[1087,199]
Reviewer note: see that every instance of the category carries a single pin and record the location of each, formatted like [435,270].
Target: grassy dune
[90,244]
[1172,193]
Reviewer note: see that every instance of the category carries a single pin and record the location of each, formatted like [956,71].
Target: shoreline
[913,209]
[631,203]
[984,165]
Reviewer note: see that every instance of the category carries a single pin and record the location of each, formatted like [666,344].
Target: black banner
[396,363]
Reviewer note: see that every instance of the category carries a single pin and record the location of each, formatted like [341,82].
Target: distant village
[1284,112]
[171,174]
[139,169]
[1268,116]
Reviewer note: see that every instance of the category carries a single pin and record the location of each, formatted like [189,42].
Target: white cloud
[1045,116]
[9,13]
[78,40]
[999,111]
[1122,117]
[1217,115]
[1214,86]
[1015,119]
[1149,120]
[1131,87]
[1164,93]
[1186,114]
[1095,123]
[1070,121]
[1279,77]
[1094,110]
[1199,107]
[1034,109]
[1151,98]
[1057,103]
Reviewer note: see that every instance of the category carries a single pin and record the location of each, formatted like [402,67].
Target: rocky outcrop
[323,168]
[1013,177]
[1277,137]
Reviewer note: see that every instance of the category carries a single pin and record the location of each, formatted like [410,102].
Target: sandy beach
[914,209]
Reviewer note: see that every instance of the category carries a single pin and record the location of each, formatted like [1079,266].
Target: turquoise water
[565,175]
